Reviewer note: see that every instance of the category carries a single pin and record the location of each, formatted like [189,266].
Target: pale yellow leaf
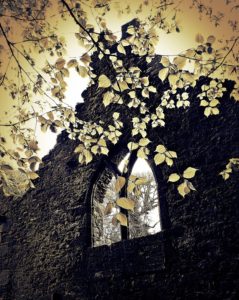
[104,81]
[207,111]
[108,209]
[88,156]
[204,103]
[199,38]
[50,115]
[165,61]
[160,149]
[83,71]
[107,98]
[159,158]
[173,78]
[121,49]
[104,150]
[6,167]
[171,154]
[214,103]
[141,153]
[169,161]
[211,39]
[119,184]
[60,63]
[215,111]
[141,180]
[180,62]
[72,63]
[102,142]
[174,177]
[144,142]
[189,172]
[130,187]
[131,30]
[32,175]
[163,73]
[122,219]
[183,189]
[125,203]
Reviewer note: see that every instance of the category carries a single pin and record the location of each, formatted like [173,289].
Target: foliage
[142,219]
[120,83]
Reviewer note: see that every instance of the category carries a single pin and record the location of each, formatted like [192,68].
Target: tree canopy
[38,62]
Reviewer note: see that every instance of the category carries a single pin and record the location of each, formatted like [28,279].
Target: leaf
[160,149]
[152,89]
[6,167]
[132,146]
[104,150]
[108,209]
[107,98]
[211,39]
[116,115]
[32,175]
[144,142]
[191,186]
[142,180]
[72,63]
[88,156]
[132,94]
[131,30]
[189,172]
[171,154]
[119,184]
[85,58]
[83,71]
[169,161]
[215,111]
[130,187]
[125,203]
[141,153]
[123,86]
[180,62]
[174,177]
[204,103]
[121,49]
[94,149]
[104,81]
[65,72]
[33,145]
[163,73]
[44,127]
[183,189]
[159,158]
[199,38]
[173,78]
[165,61]
[122,219]
[214,103]
[50,115]
[207,111]
[60,63]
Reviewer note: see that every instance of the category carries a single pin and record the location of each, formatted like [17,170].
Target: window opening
[139,195]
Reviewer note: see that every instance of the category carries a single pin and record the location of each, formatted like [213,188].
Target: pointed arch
[144,220]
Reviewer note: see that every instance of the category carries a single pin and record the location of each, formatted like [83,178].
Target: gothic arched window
[125,202]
